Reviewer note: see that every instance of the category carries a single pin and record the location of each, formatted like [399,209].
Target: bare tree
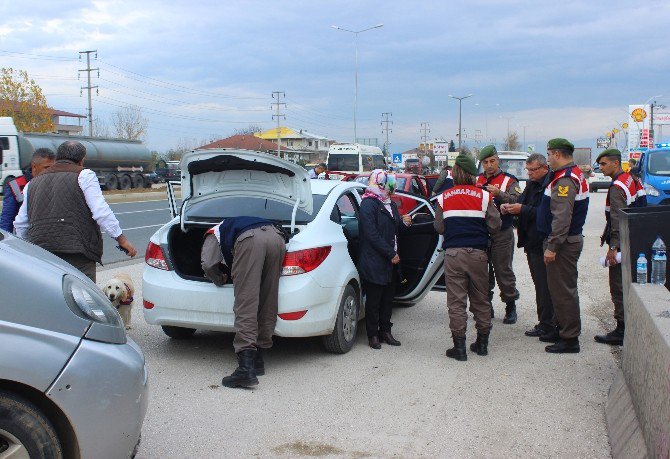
[128,123]
[100,128]
[184,144]
[512,143]
[251,129]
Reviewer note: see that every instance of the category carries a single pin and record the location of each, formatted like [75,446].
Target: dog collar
[128,296]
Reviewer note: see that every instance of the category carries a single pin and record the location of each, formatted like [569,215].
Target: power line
[385,120]
[88,71]
[278,95]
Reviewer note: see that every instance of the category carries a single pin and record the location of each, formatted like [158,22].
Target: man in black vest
[63,212]
[532,242]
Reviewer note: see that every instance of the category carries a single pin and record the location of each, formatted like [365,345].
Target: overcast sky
[201,69]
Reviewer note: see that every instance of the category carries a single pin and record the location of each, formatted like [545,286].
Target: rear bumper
[201,305]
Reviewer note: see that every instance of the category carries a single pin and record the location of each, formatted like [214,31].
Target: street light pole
[460,100]
[356,32]
[524,137]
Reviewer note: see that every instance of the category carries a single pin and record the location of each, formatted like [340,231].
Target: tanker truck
[119,164]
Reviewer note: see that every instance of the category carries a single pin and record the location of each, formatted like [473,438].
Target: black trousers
[378,307]
[538,272]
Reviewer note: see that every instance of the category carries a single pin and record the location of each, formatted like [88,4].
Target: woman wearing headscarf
[379,226]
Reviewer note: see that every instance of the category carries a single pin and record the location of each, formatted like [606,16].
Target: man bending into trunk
[253,248]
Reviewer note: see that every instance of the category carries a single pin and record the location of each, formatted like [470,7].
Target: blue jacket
[10,206]
[377,231]
[231,228]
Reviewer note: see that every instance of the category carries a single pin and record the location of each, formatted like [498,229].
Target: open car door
[421,254]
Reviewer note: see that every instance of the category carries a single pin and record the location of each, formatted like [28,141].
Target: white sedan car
[320,289]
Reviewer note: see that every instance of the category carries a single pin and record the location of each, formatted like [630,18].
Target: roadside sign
[602,142]
[440,157]
[397,158]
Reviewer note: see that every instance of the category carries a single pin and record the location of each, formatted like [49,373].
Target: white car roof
[324,187]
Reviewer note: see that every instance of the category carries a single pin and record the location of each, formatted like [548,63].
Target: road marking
[136,202]
[140,227]
[139,211]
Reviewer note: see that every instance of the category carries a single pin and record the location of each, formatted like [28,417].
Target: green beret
[560,144]
[487,151]
[466,163]
[610,153]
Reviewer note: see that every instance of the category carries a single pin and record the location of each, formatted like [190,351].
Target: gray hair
[71,151]
[41,154]
[537,157]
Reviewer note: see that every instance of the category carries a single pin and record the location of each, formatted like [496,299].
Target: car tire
[343,337]
[25,429]
[111,182]
[178,332]
[125,182]
[138,181]
[402,305]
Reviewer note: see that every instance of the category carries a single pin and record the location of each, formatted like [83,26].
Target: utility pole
[385,120]
[278,95]
[88,70]
[425,129]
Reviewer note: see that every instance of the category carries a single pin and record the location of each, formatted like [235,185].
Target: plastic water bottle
[642,269]
[658,259]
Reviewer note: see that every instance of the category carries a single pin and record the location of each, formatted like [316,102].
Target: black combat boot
[613,338]
[481,346]
[564,346]
[387,337]
[244,375]
[259,364]
[510,313]
[458,351]
[550,336]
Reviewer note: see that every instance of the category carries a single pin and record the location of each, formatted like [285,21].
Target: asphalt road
[409,401]
[139,220]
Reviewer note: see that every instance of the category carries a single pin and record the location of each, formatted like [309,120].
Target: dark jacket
[377,231]
[529,238]
[60,219]
[10,204]
[229,230]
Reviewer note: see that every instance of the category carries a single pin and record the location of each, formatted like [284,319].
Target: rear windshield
[342,162]
[659,163]
[516,167]
[214,210]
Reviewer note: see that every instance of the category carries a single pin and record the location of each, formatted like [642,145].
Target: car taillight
[303,261]
[155,258]
[297,315]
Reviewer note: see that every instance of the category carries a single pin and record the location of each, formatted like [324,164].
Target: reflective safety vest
[581,207]
[635,197]
[503,181]
[464,209]
[16,186]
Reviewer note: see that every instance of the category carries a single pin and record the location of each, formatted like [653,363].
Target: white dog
[120,291]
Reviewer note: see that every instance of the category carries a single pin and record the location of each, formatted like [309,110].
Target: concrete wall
[646,364]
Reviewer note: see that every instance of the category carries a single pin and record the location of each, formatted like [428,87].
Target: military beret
[465,162]
[487,151]
[560,144]
[610,153]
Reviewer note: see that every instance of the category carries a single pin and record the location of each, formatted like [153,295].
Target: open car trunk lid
[208,174]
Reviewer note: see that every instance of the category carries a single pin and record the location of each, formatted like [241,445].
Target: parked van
[346,159]
[653,168]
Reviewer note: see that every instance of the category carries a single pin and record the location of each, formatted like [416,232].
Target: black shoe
[510,313]
[550,337]
[481,345]
[373,342]
[259,364]
[536,331]
[613,338]
[564,346]
[244,375]
[458,351]
[387,337]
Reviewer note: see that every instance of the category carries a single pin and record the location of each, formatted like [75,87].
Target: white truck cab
[10,167]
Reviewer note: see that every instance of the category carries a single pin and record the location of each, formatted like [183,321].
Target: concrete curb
[646,373]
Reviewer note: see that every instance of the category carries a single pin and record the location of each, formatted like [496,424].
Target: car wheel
[342,339]
[178,332]
[402,305]
[25,432]
[138,181]
[125,182]
[111,182]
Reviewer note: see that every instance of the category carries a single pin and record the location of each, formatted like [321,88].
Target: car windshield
[516,167]
[214,210]
[342,162]
[659,162]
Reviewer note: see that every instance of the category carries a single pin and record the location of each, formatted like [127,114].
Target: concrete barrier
[646,372]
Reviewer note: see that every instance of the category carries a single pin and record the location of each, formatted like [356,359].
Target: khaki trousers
[502,255]
[562,279]
[616,290]
[258,255]
[466,276]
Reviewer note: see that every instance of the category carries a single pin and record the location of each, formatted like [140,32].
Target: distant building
[64,128]
[251,142]
[312,147]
